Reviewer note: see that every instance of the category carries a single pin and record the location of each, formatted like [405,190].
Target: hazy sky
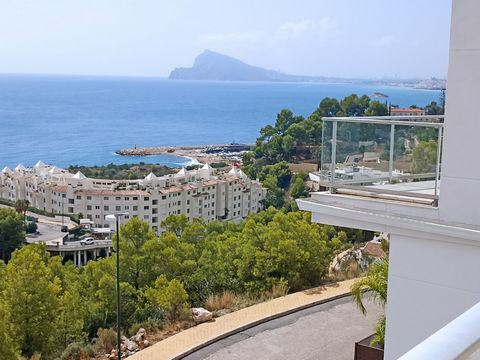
[348,38]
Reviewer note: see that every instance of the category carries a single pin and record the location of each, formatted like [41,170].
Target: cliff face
[210,65]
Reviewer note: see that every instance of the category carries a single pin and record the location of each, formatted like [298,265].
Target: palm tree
[374,286]
[21,207]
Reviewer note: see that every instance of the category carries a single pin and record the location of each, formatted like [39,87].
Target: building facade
[434,247]
[201,193]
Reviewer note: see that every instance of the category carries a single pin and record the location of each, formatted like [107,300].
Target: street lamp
[113,218]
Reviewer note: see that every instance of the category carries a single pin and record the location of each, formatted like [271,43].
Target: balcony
[389,157]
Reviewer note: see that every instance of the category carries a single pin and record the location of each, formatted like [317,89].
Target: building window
[135,198]
[146,207]
[145,217]
[188,202]
[105,208]
[79,197]
[89,207]
[179,203]
[105,198]
[154,219]
[155,202]
[117,198]
[164,197]
[118,208]
[97,207]
[127,207]
[127,198]
[178,212]
[89,198]
[146,198]
[188,211]
[135,208]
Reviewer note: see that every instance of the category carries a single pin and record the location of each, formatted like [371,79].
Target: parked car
[87,241]
[64,228]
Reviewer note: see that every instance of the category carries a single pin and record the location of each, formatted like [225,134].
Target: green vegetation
[294,139]
[119,172]
[374,285]
[45,305]
[12,232]
[425,157]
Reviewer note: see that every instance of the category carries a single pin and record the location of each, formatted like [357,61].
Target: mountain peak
[211,65]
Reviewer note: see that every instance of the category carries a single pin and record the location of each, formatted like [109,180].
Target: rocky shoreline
[209,153]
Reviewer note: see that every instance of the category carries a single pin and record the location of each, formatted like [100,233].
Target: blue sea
[67,120]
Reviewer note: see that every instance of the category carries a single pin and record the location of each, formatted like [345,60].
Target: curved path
[326,331]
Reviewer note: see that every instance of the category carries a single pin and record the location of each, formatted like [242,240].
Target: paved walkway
[327,331]
[174,346]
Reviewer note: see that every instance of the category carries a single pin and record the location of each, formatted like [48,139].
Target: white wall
[430,283]
[460,188]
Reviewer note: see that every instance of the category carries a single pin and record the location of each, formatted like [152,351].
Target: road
[326,331]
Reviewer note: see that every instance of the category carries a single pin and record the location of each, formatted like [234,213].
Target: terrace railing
[389,155]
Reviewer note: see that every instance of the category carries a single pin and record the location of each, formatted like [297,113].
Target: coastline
[199,153]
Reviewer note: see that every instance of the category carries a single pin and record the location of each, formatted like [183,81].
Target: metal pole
[119,340]
[334,151]
[439,154]
[392,150]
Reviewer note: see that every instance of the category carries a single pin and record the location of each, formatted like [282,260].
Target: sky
[345,38]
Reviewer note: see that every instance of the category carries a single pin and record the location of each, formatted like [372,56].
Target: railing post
[392,149]
[439,154]
[334,151]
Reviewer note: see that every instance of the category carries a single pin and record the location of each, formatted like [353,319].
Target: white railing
[457,340]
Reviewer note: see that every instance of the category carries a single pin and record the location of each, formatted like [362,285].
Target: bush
[218,302]
[150,318]
[31,227]
[77,351]
[106,340]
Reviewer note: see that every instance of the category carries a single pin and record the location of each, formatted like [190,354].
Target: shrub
[77,351]
[218,302]
[106,340]
[31,227]
[150,318]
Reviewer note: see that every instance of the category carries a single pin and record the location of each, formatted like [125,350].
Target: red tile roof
[403,110]
[102,192]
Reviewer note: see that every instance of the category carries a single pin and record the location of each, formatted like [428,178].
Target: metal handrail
[391,120]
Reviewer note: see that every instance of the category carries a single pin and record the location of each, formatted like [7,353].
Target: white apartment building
[433,309]
[202,193]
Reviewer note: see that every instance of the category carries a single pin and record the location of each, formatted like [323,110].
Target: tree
[424,157]
[376,108]
[373,285]
[298,189]
[12,233]
[9,348]
[133,235]
[433,109]
[329,107]
[169,295]
[31,297]
[21,206]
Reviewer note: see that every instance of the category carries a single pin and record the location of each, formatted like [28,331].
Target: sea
[82,120]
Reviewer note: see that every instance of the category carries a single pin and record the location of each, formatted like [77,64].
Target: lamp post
[114,218]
